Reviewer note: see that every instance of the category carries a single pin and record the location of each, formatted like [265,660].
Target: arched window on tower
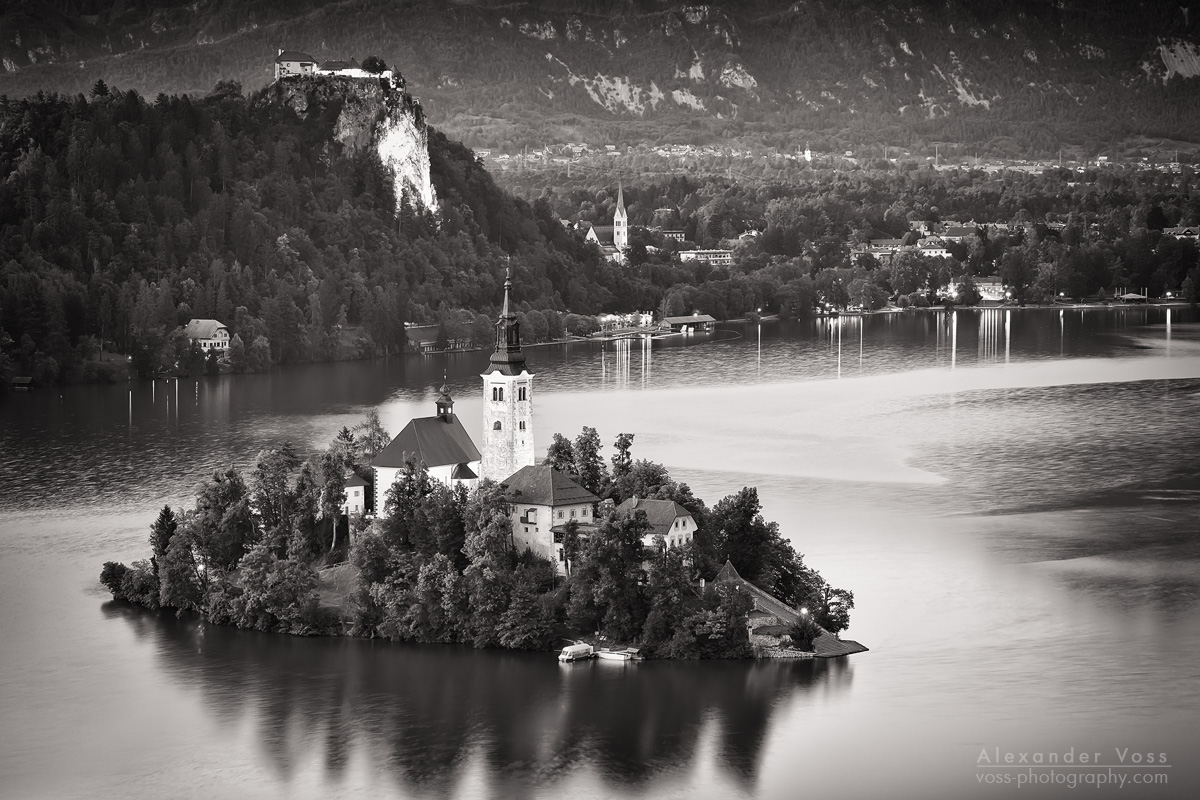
[521,393]
[496,425]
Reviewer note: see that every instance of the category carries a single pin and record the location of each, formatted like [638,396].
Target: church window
[685,524]
[521,393]
[676,523]
[522,424]
[495,393]
[496,425]
[501,392]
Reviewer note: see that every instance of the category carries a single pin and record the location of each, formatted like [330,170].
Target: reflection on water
[420,711]
[1013,496]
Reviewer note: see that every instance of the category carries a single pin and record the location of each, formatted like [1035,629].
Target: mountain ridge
[511,74]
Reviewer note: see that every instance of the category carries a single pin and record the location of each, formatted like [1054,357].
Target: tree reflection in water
[421,711]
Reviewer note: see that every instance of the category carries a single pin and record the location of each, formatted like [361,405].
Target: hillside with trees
[1007,78]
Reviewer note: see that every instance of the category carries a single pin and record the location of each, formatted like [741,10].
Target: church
[544,499]
[613,240]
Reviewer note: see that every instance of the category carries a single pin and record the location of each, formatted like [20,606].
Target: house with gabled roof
[439,442]
[293,62]
[543,502]
[209,334]
[768,623]
[674,523]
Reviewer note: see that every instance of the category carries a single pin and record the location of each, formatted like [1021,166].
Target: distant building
[1183,232]
[338,66]
[960,233]
[933,248]
[208,333]
[356,495]
[293,62]
[440,442]
[718,258]
[543,501]
[678,236]
[991,288]
[696,322]
[674,523]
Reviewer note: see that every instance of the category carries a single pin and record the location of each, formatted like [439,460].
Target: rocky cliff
[374,114]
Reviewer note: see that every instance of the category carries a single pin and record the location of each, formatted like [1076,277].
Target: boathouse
[768,624]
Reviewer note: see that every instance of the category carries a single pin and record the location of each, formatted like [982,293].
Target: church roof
[604,234]
[661,514]
[437,441]
[202,328]
[543,485]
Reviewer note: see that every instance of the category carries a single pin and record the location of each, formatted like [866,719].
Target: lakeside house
[543,501]
[674,523]
[1183,232]
[771,619]
[209,334]
[690,324]
[440,442]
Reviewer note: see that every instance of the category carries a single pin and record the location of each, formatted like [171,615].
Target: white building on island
[544,500]
[440,442]
[507,401]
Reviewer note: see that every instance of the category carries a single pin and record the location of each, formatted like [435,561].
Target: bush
[112,575]
[803,633]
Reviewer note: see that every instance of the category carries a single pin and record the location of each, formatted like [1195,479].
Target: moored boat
[628,654]
[576,652]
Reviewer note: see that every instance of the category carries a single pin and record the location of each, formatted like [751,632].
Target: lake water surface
[1014,498]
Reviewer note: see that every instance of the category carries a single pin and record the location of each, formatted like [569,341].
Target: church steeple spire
[444,402]
[508,357]
[620,221]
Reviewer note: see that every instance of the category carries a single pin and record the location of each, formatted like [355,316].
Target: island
[426,538]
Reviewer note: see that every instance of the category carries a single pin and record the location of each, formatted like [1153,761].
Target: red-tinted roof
[437,441]
[542,485]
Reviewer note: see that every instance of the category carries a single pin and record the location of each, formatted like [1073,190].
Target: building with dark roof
[771,619]
[356,494]
[440,442]
[293,62]
[208,333]
[695,322]
[674,523]
[544,500]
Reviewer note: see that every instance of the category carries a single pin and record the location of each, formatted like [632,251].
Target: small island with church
[425,537]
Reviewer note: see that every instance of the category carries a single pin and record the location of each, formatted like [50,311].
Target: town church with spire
[613,240]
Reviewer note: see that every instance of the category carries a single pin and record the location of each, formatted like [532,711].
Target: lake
[1013,497]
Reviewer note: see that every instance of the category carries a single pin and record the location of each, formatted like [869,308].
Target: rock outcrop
[369,113]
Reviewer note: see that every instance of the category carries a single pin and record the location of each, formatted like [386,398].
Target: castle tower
[507,401]
[620,222]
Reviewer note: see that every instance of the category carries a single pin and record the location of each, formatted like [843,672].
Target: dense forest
[439,564]
[120,219]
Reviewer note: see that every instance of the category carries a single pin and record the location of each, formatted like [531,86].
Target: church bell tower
[507,401]
[620,222]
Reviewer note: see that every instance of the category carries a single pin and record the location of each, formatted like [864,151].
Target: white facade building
[508,441]
[208,333]
[543,502]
